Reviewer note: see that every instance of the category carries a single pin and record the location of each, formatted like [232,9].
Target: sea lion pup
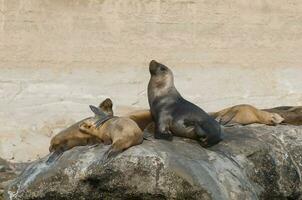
[246,114]
[120,132]
[72,136]
[291,114]
[67,139]
[173,115]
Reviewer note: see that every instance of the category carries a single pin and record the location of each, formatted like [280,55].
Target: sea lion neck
[160,87]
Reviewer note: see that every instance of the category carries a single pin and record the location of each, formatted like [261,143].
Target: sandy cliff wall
[58,56]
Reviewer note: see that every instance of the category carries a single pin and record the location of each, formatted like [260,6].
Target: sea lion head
[55,144]
[102,114]
[276,119]
[106,106]
[161,81]
[158,69]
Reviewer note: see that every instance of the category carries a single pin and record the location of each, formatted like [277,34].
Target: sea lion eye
[162,69]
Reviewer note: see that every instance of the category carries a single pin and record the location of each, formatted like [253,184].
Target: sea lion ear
[107,103]
[95,110]
[106,107]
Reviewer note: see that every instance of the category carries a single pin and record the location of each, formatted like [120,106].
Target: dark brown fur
[291,114]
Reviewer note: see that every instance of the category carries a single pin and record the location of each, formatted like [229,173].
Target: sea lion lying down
[73,136]
[120,132]
[245,114]
[69,138]
[291,114]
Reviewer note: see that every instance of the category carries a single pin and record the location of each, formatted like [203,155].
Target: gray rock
[8,172]
[253,162]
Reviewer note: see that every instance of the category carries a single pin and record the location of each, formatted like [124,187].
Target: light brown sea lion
[142,117]
[291,114]
[72,136]
[69,138]
[246,114]
[120,132]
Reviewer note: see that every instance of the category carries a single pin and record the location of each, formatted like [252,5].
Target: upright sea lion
[291,114]
[120,132]
[246,114]
[173,115]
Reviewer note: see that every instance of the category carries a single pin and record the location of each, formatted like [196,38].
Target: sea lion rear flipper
[96,110]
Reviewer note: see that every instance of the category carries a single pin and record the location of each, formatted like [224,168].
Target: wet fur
[245,114]
[173,115]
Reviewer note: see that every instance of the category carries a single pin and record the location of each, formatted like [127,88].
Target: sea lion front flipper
[111,153]
[232,124]
[166,135]
[54,156]
[227,118]
[147,135]
[162,129]
[199,131]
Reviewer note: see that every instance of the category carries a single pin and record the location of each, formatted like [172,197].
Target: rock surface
[8,172]
[253,162]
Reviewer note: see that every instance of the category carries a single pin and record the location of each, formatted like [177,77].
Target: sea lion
[246,114]
[72,136]
[291,114]
[142,118]
[69,138]
[174,115]
[120,132]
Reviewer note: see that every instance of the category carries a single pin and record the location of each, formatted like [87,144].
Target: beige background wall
[58,56]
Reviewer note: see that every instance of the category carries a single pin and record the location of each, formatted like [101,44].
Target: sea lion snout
[157,68]
[153,67]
